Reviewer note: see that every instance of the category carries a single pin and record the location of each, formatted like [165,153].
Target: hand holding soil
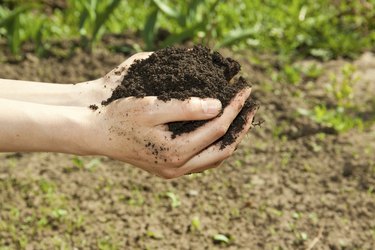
[172,112]
[134,130]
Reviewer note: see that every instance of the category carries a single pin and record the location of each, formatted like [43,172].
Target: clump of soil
[93,107]
[182,73]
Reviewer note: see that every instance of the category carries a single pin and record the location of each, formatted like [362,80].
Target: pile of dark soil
[183,73]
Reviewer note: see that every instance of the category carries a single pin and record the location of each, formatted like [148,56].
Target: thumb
[189,110]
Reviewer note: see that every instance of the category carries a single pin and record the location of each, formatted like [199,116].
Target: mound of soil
[182,73]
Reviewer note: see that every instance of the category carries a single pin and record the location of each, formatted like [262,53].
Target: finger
[204,136]
[211,156]
[191,109]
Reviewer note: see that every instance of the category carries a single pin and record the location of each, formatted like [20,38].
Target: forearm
[52,94]
[29,127]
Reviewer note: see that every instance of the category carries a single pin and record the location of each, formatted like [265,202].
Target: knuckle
[175,161]
[186,109]
[191,106]
[221,130]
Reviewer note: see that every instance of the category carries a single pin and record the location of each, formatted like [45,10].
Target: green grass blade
[148,33]
[187,33]
[163,7]
[82,20]
[234,37]
[14,14]
[14,37]
[103,16]
[192,9]
[214,5]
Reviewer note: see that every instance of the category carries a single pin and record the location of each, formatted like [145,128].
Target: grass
[340,112]
[322,29]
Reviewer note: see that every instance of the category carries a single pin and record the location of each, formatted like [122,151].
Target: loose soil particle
[93,107]
[182,73]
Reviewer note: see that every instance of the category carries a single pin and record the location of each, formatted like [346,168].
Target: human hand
[101,89]
[134,130]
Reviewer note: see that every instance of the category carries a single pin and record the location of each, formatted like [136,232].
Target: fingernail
[211,106]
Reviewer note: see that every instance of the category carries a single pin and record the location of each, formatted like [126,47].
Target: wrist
[30,127]
[92,92]
[76,134]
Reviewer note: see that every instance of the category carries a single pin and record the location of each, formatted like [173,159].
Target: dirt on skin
[182,73]
[288,186]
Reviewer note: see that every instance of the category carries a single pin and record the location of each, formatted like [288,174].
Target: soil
[289,185]
[182,73]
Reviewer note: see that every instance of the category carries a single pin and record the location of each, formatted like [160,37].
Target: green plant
[342,89]
[341,114]
[107,243]
[221,239]
[10,23]
[136,198]
[59,213]
[335,118]
[195,224]
[313,71]
[189,19]
[175,201]
[78,162]
[91,16]
[155,235]
[47,187]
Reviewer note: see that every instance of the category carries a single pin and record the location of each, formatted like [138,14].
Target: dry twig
[316,239]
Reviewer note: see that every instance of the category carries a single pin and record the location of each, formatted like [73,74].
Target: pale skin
[44,117]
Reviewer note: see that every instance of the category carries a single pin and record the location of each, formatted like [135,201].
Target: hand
[133,130]
[102,88]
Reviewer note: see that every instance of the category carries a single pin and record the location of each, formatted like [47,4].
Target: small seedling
[303,236]
[47,187]
[155,235]
[195,224]
[313,71]
[59,213]
[78,162]
[93,164]
[221,239]
[175,201]
[107,243]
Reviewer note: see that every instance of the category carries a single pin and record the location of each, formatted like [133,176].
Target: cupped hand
[134,130]
[101,89]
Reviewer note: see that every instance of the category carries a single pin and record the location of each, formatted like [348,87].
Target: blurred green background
[323,29]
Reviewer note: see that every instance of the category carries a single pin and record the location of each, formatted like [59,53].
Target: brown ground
[288,186]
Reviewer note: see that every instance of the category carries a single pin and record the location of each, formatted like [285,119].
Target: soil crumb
[93,107]
[182,73]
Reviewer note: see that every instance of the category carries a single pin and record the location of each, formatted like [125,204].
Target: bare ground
[289,185]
